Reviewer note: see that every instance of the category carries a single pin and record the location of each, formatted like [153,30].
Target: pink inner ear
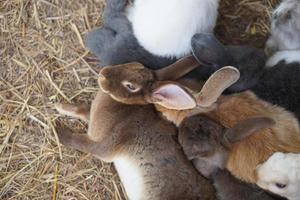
[172,96]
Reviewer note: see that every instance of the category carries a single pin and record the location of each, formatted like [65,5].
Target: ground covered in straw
[43,61]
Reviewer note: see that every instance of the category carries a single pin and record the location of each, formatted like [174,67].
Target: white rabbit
[280,174]
[165,27]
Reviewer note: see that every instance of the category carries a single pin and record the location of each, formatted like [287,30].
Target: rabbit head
[126,83]
[207,143]
[280,174]
[133,83]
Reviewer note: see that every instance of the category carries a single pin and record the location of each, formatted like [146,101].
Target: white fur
[130,176]
[285,5]
[287,56]
[284,169]
[165,27]
[285,31]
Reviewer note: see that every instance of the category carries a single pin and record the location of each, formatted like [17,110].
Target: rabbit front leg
[83,143]
[81,111]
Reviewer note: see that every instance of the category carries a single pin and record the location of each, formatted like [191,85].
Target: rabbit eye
[131,87]
[281,186]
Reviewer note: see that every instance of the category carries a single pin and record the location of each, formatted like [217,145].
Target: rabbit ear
[246,128]
[216,84]
[209,51]
[173,96]
[177,69]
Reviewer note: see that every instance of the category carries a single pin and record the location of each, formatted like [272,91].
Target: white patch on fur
[287,56]
[130,177]
[165,27]
[283,169]
[285,30]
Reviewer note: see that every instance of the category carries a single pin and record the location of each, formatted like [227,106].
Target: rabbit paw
[64,135]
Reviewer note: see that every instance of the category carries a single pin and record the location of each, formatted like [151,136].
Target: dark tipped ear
[172,96]
[246,128]
[216,85]
[177,70]
[209,51]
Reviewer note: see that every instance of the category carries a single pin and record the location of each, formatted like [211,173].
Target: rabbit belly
[131,178]
[165,27]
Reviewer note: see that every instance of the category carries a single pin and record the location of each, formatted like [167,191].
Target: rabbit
[278,85]
[280,174]
[176,103]
[207,143]
[165,27]
[285,28]
[284,41]
[142,146]
[114,43]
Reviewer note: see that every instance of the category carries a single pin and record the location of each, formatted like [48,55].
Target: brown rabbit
[142,146]
[227,110]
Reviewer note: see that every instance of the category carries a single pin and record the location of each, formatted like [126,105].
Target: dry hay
[43,61]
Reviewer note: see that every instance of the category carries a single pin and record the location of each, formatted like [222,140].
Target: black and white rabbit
[114,43]
[278,82]
[279,85]
[164,40]
[165,27]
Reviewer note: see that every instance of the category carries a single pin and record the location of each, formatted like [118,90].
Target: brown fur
[228,111]
[139,134]
[202,140]
[112,77]
[246,155]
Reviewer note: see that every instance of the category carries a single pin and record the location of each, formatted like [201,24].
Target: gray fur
[285,28]
[114,43]
[279,85]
